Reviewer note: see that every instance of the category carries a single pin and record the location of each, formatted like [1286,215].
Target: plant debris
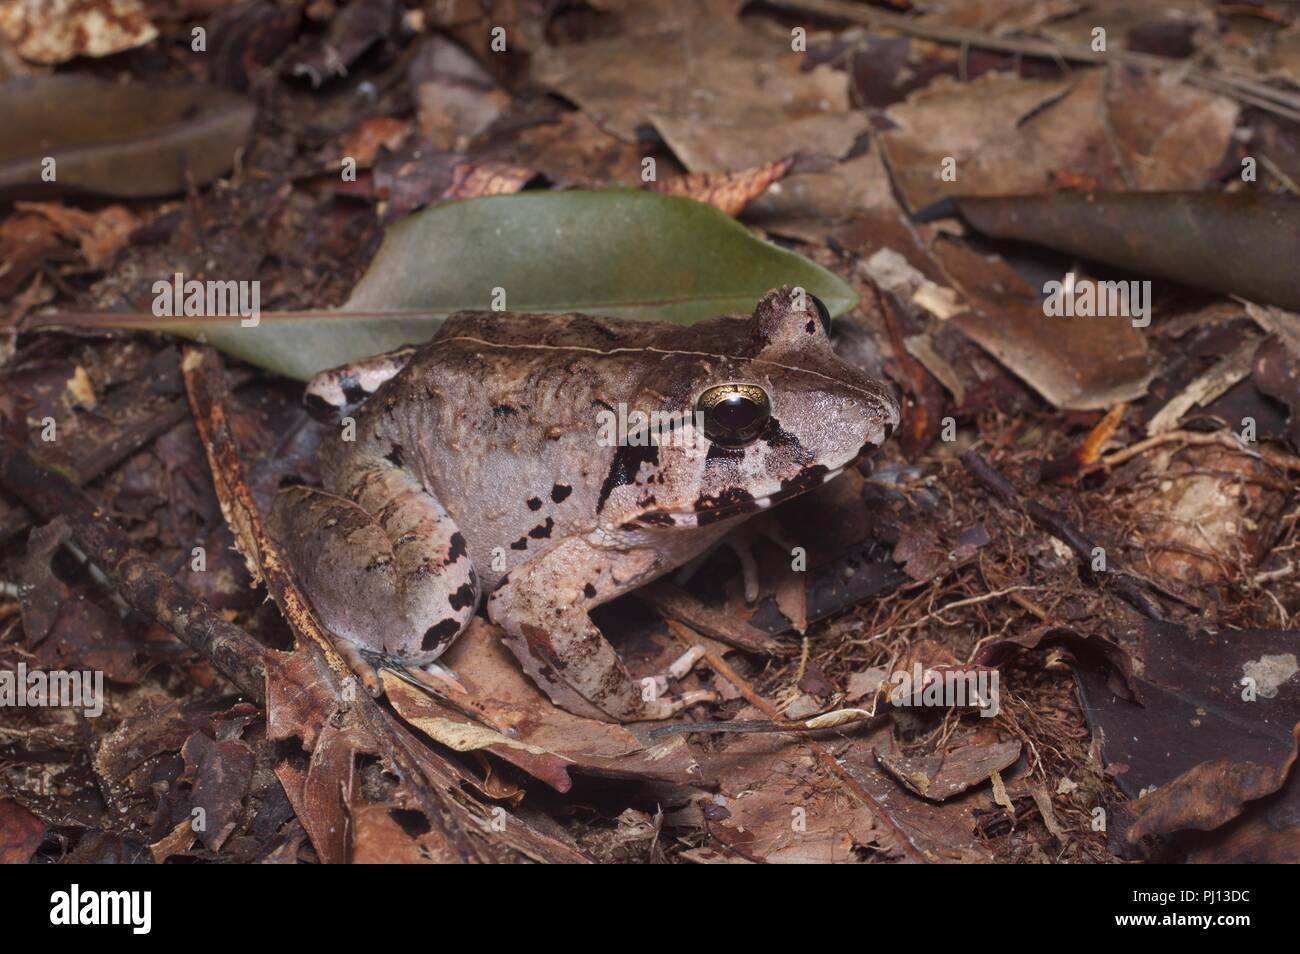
[1054,619]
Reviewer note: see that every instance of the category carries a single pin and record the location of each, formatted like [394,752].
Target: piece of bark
[940,777]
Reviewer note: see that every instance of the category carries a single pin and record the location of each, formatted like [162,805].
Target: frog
[508,462]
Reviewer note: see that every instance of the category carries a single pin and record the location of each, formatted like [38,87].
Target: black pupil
[736,414]
[822,312]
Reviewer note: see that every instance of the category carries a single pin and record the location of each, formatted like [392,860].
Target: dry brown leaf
[1003,135]
[503,697]
[723,94]
[101,235]
[728,191]
[55,31]
[940,777]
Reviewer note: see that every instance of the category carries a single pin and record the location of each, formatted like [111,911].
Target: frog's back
[499,416]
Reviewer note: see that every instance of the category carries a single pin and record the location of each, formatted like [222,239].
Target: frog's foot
[679,668]
[391,577]
[543,609]
[339,391]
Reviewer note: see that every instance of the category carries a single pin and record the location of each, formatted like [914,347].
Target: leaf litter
[1123,555]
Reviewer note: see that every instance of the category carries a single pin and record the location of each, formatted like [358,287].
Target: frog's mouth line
[711,510]
[747,505]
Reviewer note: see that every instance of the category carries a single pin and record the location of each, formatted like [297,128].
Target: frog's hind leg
[543,609]
[332,394]
[383,564]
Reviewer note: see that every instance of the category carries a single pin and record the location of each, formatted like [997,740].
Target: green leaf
[611,252]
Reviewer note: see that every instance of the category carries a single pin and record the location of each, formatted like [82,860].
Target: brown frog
[554,462]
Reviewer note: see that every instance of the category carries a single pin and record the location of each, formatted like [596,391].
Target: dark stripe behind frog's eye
[823,313]
[734,414]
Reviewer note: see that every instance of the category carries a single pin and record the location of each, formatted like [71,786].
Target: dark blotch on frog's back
[542,531]
[560,492]
[534,503]
[458,548]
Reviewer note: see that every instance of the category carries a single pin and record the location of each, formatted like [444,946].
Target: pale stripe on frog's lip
[690,518]
[762,503]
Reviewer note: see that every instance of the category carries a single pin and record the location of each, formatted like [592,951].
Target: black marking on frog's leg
[624,468]
[439,636]
[560,492]
[543,530]
[520,544]
[335,393]
[534,503]
[811,327]
[589,591]
[382,564]
[466,596]
[352,390]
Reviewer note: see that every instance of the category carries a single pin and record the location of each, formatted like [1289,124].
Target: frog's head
[772,412]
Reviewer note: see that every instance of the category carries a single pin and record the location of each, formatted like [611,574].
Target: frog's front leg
[382,562]
[543,609]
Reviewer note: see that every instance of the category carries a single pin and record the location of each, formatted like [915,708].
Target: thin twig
[1059,527]
[851,784]
[1277,458]
[209,394]
[970,601]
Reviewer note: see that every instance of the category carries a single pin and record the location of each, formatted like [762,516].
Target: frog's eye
[734,414]
[823,313]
